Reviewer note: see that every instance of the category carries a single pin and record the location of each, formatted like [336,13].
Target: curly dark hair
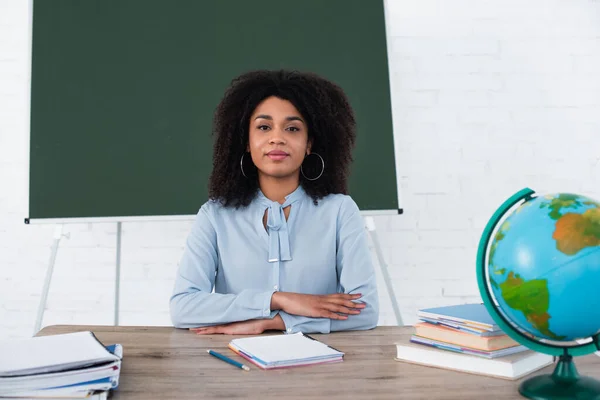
[329,118]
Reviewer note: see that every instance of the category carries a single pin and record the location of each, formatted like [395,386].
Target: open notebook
[281,351]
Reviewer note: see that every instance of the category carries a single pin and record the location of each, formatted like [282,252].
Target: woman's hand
[317,306]
[250,327]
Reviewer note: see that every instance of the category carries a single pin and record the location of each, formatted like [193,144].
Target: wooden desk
[167,363]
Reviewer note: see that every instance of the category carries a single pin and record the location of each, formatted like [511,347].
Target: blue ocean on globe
[544,267]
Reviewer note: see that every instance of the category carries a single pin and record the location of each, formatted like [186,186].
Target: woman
[280,242]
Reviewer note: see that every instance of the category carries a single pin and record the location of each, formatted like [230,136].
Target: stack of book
[466,338]
[284,351]
[74,365]
[467,329]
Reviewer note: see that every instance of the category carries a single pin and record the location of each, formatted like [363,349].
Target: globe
[538,270]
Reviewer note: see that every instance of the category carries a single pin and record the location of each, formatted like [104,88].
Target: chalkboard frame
[33,218]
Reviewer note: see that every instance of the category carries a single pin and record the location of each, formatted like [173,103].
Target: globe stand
[564,383]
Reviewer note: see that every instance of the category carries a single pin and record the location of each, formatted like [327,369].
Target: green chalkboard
[123,93]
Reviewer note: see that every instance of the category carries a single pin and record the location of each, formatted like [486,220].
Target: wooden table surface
[169,363]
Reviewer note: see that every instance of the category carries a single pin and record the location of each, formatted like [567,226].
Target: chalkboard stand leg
[118,274]
[370,224]
[58,234]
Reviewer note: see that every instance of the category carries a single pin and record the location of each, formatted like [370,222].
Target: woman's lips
[277,155]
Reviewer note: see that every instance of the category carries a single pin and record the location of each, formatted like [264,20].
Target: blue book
[473,316]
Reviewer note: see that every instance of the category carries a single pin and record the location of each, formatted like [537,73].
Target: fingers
[338,304]
[342,306]
[343,310]
[332,315]
[345,296]
[349,304]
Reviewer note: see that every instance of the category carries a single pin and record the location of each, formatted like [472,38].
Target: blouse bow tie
[279,239]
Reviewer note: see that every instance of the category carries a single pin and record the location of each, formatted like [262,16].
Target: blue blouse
[320,249]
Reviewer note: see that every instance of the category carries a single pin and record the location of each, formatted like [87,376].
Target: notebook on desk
[283,351]
[70,365]
[56,353]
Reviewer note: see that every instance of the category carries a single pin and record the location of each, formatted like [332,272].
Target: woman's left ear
[308,148]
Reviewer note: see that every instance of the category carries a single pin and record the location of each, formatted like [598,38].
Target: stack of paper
[74,365]
[282,351]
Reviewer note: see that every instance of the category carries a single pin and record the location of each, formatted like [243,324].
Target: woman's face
[278,138]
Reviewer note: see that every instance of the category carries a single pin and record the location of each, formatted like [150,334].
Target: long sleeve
[355,275]
[192,304]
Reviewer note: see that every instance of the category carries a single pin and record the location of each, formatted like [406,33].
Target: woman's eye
[293,129]
[263,127]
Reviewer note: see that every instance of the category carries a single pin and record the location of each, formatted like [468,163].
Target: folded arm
[355,276]
[192,304]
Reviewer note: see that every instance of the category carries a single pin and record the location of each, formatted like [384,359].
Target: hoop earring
[242,165]
[322,167]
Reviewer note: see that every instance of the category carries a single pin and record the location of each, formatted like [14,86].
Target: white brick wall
[474,83]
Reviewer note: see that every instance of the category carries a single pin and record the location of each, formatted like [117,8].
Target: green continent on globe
[532,298]
[574,232]
[564,200]
[499,236]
